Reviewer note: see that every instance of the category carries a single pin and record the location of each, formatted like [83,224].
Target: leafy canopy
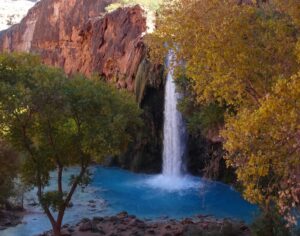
[58,122]
[264,146]
[233,53]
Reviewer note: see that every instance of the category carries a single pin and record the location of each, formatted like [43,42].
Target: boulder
[122,214]
[85,226]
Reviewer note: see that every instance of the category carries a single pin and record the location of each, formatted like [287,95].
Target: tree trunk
[59,179]
[56,230]
[60,217]
[58,223]
[22,200]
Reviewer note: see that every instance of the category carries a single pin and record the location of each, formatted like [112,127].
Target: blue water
[147,196]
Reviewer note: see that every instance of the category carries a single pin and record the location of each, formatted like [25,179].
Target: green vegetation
[204,119]
[151,5]
[243,58]
[57,122]
[9,165]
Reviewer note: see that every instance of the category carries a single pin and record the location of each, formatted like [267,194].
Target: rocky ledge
[126,225]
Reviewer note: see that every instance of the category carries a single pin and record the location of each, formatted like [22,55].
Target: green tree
[59,122]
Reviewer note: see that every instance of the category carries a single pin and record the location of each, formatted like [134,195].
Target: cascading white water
[174,129]
[174,176]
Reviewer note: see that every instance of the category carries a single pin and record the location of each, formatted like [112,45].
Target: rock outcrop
[81,37]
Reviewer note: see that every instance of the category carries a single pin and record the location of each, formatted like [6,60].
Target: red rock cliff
[78,36]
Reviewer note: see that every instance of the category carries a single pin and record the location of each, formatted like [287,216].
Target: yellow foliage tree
[264,146]
[234,53]
[291,7]
[241,55]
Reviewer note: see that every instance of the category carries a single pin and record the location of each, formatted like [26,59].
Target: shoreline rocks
[10,219]
[124,224]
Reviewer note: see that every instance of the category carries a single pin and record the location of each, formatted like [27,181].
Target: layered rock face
[80,36]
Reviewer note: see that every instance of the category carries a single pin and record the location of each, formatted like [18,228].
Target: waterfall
[174,129]
[174,177]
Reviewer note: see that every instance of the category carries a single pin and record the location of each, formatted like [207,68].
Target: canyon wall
[79,36]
